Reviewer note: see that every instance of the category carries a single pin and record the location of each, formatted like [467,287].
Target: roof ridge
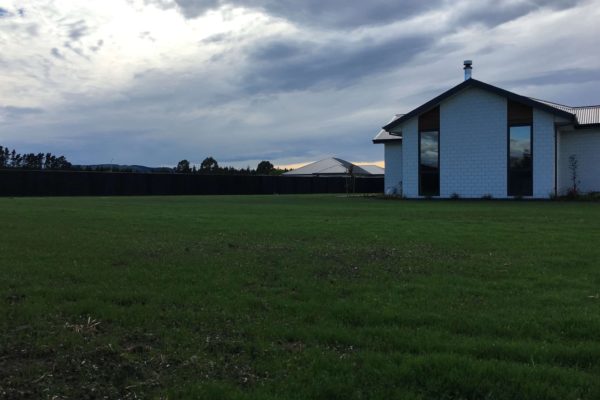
[555,109]
[551,102]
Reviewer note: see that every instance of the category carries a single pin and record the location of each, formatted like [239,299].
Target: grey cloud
[340,14]
[33,29]
[495,13]
[147,35]
[7,13]
[218,38]
[57,54]
[354,146]
[76,50]
[289,65]
[97,47]
[155,122]
[189,8]
[337,13]
[77,30]
[557,77]
[195,8]
[15,112]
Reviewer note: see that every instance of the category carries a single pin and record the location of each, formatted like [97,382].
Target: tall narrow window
[429,153]
[520,171]
[520,151]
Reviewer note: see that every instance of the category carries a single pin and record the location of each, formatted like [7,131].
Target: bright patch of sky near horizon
[155,81]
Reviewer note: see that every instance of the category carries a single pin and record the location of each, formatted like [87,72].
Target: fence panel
[84,183]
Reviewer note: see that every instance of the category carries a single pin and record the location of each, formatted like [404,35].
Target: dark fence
[79,183]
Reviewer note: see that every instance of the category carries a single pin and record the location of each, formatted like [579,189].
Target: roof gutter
[378,141]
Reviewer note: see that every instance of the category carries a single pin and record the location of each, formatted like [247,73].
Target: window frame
[508,167]
[437,193]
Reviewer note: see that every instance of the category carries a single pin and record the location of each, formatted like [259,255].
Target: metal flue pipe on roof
[468,69]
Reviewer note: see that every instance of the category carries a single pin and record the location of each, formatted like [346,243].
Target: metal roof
[585,115]
[373,169]
[384,136]
[330,166]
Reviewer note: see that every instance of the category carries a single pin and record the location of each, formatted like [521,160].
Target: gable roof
[384,136]
[552,109]
[328,166]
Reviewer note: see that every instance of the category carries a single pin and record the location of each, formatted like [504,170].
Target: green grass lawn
[298,297]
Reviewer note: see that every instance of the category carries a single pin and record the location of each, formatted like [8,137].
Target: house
[478,140]
[336,167]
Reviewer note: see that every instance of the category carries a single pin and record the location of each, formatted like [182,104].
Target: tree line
[210,166]
[10,159]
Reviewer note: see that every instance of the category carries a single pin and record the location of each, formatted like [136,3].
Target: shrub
[573,165]
[573,193]
[487,196]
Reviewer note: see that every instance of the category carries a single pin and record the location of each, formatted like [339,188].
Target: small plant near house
[455,196]
[573,191]
[487,196]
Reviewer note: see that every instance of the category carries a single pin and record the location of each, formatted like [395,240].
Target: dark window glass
[429,168]
[520,166]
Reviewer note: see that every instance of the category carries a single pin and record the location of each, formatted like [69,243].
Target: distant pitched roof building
[335,167]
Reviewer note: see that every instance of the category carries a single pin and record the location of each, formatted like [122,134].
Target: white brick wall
[393,167]
[543,154]
[410,158]
[473,145]
[585,144]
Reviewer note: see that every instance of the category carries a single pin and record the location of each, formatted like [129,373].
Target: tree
[15,159]
[573,165]
[350,181]
[4,157]
[183,167]
[209,164]
[33,161]
[265,168]
[61,163]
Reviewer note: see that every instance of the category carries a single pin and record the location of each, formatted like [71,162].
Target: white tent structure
[335,167]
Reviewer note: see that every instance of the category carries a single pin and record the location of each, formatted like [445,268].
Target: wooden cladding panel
[519,114]
[430,121]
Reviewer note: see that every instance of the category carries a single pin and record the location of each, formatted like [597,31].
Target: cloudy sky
[155,81]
